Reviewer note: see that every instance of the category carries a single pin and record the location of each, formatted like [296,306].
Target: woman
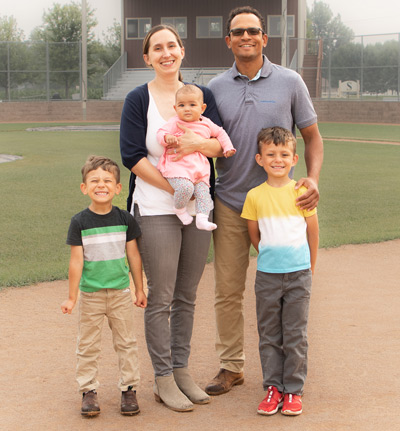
[173,254]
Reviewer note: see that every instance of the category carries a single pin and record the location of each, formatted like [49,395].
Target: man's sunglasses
[251,31]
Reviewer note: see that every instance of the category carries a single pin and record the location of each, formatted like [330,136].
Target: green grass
[367,132]
[40,193]
[15,127]
[358,187]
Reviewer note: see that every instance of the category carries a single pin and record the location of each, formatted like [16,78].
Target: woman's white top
[150,199]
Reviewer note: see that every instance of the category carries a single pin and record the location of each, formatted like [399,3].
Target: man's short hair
[95,162]
[244,9]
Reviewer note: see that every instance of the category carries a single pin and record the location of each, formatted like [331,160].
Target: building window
[137,28]
[208,27]
[179,23]
[274,25]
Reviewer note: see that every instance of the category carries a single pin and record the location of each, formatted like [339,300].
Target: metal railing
[114,73]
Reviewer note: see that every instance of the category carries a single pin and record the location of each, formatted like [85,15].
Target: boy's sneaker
[90,405]
[129,404]
[271,403]
[292,405]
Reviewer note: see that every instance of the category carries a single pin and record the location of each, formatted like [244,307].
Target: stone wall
[358,111]
[60,111]
[102,110]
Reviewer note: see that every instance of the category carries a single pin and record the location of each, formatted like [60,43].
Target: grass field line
[361,141]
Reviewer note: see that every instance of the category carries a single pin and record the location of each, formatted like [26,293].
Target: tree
[380,65]
[375,66]
[9,31]
[346,63]
[389,57]
[103,56]
[107,53]
[334,34]
[62,25]
[112,42]
[325,26]
[12,55]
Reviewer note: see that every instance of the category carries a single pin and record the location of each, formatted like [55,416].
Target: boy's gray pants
[282,303]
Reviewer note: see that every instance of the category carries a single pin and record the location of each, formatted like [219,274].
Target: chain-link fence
[367,67]
[39,71]
[46,71]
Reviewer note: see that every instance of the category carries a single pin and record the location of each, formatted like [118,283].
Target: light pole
[122,28]
[84,59]
[284,34]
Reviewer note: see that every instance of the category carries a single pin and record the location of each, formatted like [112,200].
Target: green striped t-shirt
[103,238]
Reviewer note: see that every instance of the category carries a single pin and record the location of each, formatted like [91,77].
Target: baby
[190,175]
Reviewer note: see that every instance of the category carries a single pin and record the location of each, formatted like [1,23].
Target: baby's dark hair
[95,162]
[276,135]
[190,89]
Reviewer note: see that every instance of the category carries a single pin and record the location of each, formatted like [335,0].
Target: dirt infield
[354,357]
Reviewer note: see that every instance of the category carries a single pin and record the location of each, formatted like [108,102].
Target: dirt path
[354,357]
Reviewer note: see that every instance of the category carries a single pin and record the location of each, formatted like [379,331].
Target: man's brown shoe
[223,382]
[90,405]
[129,404]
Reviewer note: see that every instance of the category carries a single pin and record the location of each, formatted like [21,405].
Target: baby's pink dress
[195,166]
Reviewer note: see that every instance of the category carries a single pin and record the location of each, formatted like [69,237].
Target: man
[252,95]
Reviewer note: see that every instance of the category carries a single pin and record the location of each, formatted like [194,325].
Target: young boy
[286,239]
[99,237]
[190,175]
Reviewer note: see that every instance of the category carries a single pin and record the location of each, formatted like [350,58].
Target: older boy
[99,237]
[286,238]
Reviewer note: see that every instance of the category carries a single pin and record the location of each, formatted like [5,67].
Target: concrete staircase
[312,64]
[129,80]
[309,73]
[134,77]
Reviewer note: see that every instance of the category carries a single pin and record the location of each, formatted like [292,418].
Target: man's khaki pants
[231,260]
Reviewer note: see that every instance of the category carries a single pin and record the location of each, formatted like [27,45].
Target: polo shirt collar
[264,72]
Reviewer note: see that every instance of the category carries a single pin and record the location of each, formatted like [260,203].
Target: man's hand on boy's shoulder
[309,199]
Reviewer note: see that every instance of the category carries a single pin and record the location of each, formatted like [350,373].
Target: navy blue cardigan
[133,130]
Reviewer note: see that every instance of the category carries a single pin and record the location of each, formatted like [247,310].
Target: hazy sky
[364,17]
[29,13]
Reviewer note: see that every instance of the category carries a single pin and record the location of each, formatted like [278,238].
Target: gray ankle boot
[186,384]
[166,391]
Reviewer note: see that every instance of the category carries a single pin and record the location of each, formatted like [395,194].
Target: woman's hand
[191,142]
[149,173]
[185,144]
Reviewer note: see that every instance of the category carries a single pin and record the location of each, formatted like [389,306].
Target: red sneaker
[292,405]
[271,403]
